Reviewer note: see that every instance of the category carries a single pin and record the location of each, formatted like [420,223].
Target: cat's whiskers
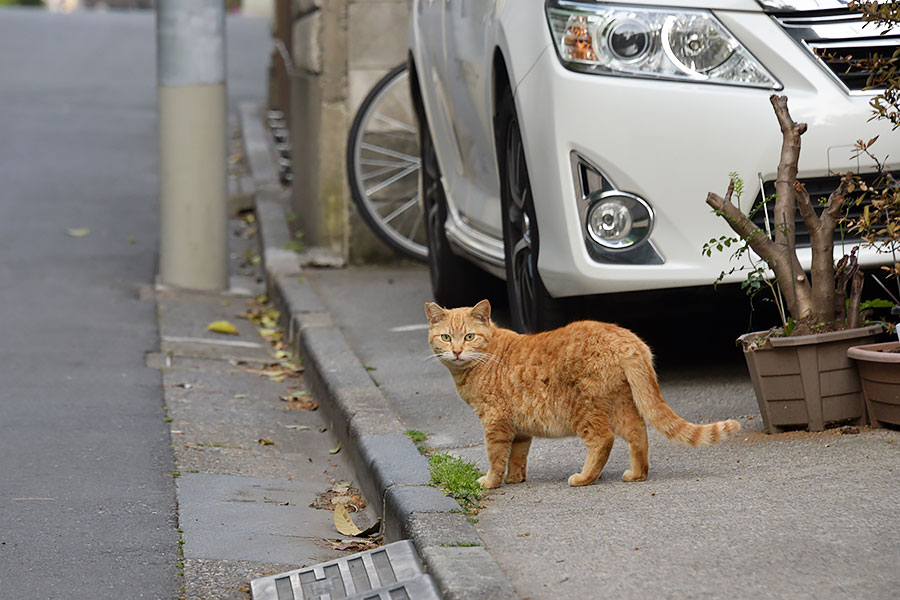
[484,357]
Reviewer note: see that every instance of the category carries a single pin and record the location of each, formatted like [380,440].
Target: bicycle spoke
[383,171]
[406,206]
[390,180]
[391,153]
[396,123]
[417,223]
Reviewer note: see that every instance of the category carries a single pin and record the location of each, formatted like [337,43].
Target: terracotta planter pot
[879,370]
[807,381]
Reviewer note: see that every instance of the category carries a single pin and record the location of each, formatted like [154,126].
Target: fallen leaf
[336,449]
[298,427]
[342,521]
[349,496]
[299,400]
[307,404]
[78,232]
[266,442]
[293,367]
[239,396]
[354,545]
[222,327]
[526,534]
[292,395]
[373,531]
[269,333]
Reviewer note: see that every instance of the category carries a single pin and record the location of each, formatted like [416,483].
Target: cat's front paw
[488,482]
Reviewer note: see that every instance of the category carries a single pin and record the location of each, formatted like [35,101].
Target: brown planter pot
[807,380]
[879,370]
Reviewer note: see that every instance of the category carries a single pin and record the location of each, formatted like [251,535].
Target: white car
[568,147]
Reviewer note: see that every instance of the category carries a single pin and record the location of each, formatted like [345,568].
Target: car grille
[819,188]
[837,38]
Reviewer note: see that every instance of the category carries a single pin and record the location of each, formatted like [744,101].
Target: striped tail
[650,404]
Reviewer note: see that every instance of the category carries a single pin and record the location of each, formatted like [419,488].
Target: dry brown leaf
[342,521]
[349,496]
[354,545]
[306,404]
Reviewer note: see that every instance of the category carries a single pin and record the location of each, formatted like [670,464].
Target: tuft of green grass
[458,478]
[416,435]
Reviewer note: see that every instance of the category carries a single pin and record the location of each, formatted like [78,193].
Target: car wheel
[531,306]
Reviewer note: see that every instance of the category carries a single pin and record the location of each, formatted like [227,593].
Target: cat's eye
[470,337]
[445,337]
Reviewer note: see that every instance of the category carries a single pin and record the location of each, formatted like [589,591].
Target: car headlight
[679,44]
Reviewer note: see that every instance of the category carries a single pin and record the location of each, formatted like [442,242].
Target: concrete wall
[339,49]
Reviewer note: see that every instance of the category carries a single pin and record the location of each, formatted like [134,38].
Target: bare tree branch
[787,171]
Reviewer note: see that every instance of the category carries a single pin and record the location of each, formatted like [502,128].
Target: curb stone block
[467,573]
[299,298]
[401,502]
[393,459]
[440,529]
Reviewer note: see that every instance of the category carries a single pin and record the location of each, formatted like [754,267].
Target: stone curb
[387,463]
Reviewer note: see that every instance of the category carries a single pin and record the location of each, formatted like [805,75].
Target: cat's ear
[482,311]
[434,313]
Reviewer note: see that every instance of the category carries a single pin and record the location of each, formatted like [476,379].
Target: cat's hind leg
[598,439]
[628,424]
[637,446]
[518,459]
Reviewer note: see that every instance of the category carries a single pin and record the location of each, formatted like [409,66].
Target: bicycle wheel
[383,165]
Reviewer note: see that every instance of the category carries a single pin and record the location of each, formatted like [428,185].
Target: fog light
[618,220]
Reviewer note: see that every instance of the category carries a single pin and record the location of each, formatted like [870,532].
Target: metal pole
[190,37]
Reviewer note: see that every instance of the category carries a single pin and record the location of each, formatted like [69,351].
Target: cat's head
[459,336]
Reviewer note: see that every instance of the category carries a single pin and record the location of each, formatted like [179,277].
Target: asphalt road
[87,501]
[798,515]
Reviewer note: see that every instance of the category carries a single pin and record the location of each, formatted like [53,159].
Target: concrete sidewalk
[249,463]
[789,516]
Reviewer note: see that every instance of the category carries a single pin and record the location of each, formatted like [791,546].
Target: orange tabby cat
[590,379]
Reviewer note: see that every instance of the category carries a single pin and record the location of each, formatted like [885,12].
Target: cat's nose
[456,353]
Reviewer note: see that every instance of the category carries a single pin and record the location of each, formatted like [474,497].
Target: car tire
[454,281]
[531,307]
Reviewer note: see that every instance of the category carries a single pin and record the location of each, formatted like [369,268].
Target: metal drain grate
[392,572]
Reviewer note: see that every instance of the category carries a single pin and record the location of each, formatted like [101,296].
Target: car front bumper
[671,143]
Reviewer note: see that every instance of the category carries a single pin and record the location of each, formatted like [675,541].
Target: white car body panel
[668,142]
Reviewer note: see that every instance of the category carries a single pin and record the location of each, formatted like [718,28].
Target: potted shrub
[801,373]
[879,364]
[879,224]
[879,371]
